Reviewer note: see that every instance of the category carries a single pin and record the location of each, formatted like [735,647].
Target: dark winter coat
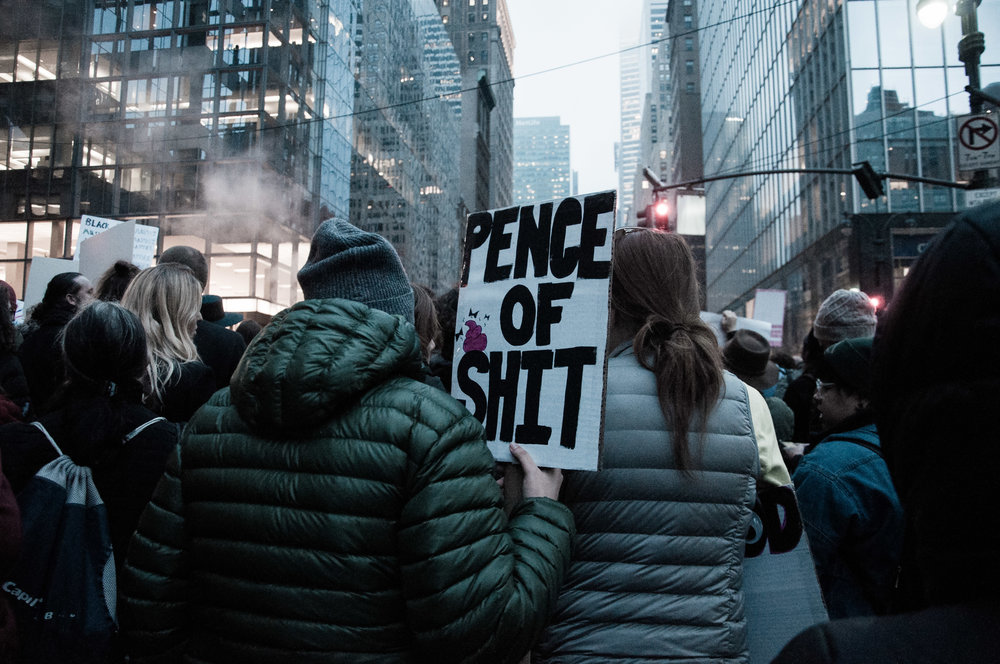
[124,475]
[10,546]
[657,565]
[41,358]
[330,507]
[187,391]
[219,348]
[13,384]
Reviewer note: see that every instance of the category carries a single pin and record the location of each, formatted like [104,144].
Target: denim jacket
[853,519]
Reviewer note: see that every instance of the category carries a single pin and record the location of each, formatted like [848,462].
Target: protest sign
[99,252]
[40,273]
[769,306]
[143,246]
[532,327]
[714,321]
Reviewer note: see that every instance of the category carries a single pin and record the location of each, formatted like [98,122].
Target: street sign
[978,142]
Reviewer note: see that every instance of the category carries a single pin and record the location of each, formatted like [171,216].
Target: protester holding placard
[167,299]
[331,506]
[657,564]
[65,294]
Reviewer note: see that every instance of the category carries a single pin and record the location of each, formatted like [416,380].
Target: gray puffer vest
[657,567]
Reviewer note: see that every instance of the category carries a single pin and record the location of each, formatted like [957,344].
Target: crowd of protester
[308,490]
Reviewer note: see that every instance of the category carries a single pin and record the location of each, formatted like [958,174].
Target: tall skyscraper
[823,85]
[685,160]
[631,98]
[644,88]
[405,165]
[225,123]
[484,41]
[541,160]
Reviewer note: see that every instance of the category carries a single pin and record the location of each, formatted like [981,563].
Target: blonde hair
[167,299]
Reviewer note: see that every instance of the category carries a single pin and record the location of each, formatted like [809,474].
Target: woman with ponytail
[658,555]
[167,299]
[104,351]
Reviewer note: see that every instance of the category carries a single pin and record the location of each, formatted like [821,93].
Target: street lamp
[932,13]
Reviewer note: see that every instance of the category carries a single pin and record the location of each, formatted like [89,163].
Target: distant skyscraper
[405,167]
[685,161]
[541,160]
[484,41]
[641,82]
[630,112]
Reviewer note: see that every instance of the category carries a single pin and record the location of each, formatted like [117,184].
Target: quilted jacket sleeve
[478,587]
[153,585]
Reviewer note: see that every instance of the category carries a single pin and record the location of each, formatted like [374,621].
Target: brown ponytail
[655,293]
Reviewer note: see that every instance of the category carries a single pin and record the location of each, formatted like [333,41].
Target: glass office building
[405,165]
[541,160]
[225,123]
[822,84]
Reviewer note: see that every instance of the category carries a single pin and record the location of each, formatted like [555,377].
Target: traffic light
[869,181]
[657,215]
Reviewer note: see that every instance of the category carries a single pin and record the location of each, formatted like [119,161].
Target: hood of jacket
[316,358]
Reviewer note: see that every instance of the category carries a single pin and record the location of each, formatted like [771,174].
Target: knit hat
[213,311]
[848,363]
[844,315]
[748,355]
[349,263]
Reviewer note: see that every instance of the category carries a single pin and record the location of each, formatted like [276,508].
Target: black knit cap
[848,363]
[349,263]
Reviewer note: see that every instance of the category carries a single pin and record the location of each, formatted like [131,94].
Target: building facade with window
[817,84]
[405,177]
[225,123]
[541,160]
[484,41]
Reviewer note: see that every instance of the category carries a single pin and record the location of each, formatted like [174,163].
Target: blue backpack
[63,587]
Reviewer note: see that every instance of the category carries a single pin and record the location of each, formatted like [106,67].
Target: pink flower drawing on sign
[474,338]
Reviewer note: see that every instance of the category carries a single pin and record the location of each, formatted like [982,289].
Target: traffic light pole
[868,178]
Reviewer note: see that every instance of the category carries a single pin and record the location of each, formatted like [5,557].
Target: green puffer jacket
[330,507]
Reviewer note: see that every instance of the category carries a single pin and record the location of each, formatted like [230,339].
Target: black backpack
[63,589]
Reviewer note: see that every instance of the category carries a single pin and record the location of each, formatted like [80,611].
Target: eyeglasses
[821,386]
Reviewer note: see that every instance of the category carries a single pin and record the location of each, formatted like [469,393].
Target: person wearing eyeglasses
[849,506]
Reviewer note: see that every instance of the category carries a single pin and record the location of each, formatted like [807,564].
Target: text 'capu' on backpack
[63,589]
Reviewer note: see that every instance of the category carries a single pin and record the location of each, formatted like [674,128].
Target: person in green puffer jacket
[330,506]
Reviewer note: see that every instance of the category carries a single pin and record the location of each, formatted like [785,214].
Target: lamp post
[932,13]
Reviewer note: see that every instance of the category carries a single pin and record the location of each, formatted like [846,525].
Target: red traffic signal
[658,216]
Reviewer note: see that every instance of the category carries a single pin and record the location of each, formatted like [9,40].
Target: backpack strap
[38,425]
[139,429]
[867,444]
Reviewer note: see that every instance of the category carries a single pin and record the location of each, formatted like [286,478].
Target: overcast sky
[558,33]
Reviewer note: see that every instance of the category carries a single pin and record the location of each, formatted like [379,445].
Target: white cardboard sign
[532,327]
[40,274]
[714,321]
[769,306]
[143,239]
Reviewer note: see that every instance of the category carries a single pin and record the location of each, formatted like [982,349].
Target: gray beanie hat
[349,263]
[844,315]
